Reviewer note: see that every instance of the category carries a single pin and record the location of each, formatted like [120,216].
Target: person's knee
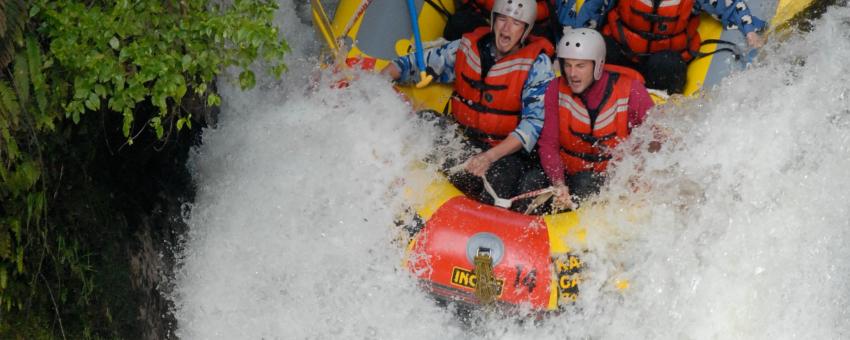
[506,173]
[585,184]
[532,180]
[665,71]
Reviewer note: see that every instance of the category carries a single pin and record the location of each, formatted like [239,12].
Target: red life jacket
[586,136]
[487,6]
[490,108]
[651,26]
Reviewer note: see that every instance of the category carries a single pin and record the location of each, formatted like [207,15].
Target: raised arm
[440,61]
[735,15]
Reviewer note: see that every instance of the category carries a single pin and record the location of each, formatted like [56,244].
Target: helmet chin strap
[561,65]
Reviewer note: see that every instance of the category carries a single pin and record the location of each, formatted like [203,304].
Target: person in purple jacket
[588,110]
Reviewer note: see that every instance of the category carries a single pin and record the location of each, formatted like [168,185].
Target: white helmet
[583,43]
[522,10]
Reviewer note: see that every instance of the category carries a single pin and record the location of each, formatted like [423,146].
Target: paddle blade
[425,79]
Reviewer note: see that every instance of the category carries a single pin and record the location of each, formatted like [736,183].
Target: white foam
[739,230]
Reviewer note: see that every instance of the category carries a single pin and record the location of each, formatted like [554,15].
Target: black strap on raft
[440,8]
[736,52]
[448,104]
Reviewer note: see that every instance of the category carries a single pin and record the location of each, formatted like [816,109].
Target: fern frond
[34,60]
[9,105]
[13,17]
[21,77]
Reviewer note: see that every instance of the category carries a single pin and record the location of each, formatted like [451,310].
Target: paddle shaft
[417,39]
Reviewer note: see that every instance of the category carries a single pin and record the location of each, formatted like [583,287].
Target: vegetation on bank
[80,74]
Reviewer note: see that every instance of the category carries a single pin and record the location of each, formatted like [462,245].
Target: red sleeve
[639,103]
[548,145]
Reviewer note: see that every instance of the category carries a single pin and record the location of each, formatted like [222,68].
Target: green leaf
[20,259]
[185,62]
[100,90]
[28,174]
[9,103]
[5,245]
[92,102]
[16,229]
[22,78]
[156,123]
[114,43]
[36,74]
[34,10]
[278,70]
[246,79]
[128,123]
[35,206]
[213,100]
[12,151]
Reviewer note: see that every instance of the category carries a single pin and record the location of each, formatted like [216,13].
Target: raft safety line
[357,14]
[507,202]
[504,202]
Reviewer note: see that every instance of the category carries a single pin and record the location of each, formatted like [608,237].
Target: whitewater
[737,229]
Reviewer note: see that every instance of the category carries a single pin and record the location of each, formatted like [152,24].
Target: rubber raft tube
[522,259]
[466,251]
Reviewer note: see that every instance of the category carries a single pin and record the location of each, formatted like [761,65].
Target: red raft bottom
[444,251]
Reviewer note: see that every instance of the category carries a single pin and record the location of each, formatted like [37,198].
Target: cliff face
[124,205]
[149,187]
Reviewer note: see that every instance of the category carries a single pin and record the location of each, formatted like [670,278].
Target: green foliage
[12,16]
[63,60]
[132,51]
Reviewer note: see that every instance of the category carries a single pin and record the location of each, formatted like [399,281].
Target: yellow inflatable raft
[465,251]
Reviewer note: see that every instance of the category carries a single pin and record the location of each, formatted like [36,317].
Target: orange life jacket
[487,5]
[490,108]
[651,26]
[586,136]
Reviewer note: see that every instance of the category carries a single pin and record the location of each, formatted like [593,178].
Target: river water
[737,229]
